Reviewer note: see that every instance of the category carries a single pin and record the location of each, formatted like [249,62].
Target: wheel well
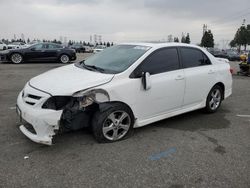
[222,86]
[63,54]
[16,53]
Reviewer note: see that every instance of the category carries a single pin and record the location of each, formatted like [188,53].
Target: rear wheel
[214,99]
[113,124]
[16,58]
[64,59]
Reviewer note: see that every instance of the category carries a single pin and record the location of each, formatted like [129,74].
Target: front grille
[30,103]
[34,97]
[30,99]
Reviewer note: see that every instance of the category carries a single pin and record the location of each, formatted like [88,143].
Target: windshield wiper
[92,67]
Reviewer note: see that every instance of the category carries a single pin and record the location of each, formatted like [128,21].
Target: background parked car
[39,52]
[78,48]
[99,48]
[3,46]
[233,56]
[88,49]
[16,45]
[227,54]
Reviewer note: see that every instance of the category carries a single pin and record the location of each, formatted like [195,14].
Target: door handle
[179,77]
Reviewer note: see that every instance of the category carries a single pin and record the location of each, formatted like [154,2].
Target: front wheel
[64,59]
[113,124]
[16,58]
[214,99]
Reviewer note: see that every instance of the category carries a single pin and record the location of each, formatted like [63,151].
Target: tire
[112,124]
[64,59]
[214,99]
[16,58]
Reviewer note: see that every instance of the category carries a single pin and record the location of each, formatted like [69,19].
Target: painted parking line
[163,154]
[12,108]
[246,116]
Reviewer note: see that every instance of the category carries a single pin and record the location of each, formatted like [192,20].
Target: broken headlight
[56,102]
[87,98]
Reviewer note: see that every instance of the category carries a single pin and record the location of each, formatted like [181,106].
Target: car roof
[160,45]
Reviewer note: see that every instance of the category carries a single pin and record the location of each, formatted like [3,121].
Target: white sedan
[3,46]
[124,87]
[99,48]
[16,45]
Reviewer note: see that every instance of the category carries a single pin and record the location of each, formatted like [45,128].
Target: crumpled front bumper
[45,122]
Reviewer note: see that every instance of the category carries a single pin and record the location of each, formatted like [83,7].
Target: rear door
[52,51]
[199,73]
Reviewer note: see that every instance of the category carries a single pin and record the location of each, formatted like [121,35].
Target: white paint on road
[244,116]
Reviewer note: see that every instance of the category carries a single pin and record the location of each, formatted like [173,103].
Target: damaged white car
[124,87]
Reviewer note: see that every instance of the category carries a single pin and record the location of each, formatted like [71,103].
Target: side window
[193,58]
[54,46]
[162,60]
[38,46]
[206,60]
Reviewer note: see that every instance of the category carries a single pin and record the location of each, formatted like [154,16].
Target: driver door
[35,52]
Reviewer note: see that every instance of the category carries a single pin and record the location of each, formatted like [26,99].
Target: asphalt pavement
[190,150]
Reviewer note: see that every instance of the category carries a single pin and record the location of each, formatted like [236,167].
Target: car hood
[68,79]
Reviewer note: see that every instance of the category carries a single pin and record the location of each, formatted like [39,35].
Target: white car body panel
[54,81]
[44,121]
[184,89]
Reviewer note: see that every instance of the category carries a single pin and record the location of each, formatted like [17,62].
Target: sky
[122,20]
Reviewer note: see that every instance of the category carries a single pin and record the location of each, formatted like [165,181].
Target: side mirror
[146,82]
[32,49]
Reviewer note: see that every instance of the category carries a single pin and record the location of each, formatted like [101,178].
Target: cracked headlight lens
[87,98]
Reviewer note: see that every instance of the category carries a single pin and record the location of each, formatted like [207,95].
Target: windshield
[115,59]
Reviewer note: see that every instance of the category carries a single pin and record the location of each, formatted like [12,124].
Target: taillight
[231,70]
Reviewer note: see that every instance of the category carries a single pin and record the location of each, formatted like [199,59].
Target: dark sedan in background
[39,52]
[228,54]
[79,48]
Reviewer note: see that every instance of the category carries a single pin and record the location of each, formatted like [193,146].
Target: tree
[183,39]
[207,39]
[242,37]
[187,40]
[176,39]
[232,44]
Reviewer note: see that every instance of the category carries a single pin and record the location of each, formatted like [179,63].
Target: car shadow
[192,121]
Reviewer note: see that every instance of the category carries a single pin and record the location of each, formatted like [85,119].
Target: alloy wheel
[16,58]
[116,125]
[215,99]
[64,59]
